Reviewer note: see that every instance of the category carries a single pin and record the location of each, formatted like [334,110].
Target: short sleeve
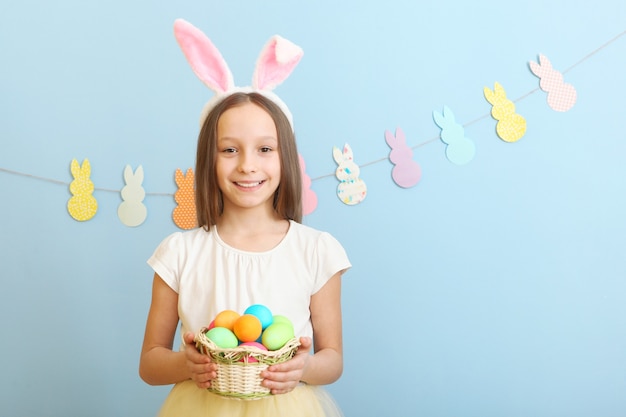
[331,258]
[165,260]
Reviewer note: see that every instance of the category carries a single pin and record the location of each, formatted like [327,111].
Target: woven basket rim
[208,344]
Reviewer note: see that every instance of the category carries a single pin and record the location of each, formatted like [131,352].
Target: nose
[247,162]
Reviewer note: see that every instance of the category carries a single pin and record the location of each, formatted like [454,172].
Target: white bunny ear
[277,60]
[205,59]
[128,174]
[347,152]
[139,174]
[337,155]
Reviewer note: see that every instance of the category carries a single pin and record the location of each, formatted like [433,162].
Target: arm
[159,364]
[326,364]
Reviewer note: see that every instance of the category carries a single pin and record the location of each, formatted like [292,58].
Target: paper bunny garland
[277,60]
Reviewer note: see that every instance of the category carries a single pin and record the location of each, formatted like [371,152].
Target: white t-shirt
[210,276]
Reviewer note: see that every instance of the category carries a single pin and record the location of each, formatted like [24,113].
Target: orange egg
[247,328]
[226,319]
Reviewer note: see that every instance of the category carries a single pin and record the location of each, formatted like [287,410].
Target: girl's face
[248,161]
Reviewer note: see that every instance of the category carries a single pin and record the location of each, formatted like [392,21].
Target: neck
[252,231]
[251,221]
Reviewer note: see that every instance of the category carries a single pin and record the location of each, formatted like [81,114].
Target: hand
[200,367]
[284,377]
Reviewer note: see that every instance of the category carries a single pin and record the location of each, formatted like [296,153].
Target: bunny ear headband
[277,60]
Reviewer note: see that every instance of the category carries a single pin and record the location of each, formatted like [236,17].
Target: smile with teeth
[249,184]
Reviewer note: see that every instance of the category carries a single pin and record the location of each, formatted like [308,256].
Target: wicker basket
[239,369]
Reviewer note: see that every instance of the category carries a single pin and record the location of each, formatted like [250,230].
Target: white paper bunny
[132,212]
[275,63]
[351,189]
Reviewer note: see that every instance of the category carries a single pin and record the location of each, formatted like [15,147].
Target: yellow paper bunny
[511,126]
[82,206]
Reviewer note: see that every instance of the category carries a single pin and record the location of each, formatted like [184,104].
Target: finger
[276,387]
[305,343]
[204,376]
[189,338]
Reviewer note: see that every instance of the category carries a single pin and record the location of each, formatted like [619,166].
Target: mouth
[249,184]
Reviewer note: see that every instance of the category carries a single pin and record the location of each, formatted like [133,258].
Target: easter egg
[247,328]
[262,313]
[276,335]
[226,319]
[211,325]
[253,344]
[281,319]
[252,359]
[222,337]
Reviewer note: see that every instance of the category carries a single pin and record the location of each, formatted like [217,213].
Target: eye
[266,149]
[229,150]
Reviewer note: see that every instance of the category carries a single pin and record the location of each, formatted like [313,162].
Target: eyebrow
[234,138]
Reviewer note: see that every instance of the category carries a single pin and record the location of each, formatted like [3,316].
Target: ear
[179,177]
[439,119]
[128,174]
[390,139]
[347,152]
[400,138]
[489,95]
[535,68]
[277,60]
[85,169]
[189,176]
[449,115]
[75,168]
[205,59]
[139,174]
[337,155]
[499,90]
[545,62]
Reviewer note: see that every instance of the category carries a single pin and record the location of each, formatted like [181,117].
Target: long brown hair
[209,200]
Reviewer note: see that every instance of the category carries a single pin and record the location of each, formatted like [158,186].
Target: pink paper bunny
[309,198]
[561,96]
[406,172]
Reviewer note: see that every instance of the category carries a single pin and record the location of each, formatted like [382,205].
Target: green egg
[276,335]
[222,337]
[281,319]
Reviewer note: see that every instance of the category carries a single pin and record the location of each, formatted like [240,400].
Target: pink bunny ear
[205,59]
[277,60]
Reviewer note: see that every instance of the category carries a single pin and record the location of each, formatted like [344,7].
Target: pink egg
[252,359]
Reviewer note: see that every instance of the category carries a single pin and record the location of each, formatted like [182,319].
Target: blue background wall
[491,289]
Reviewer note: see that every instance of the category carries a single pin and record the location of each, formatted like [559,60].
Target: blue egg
[262,313]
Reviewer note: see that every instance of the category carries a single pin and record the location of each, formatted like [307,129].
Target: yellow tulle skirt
[187,400]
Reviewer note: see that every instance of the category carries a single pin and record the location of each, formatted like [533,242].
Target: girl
[251,248]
